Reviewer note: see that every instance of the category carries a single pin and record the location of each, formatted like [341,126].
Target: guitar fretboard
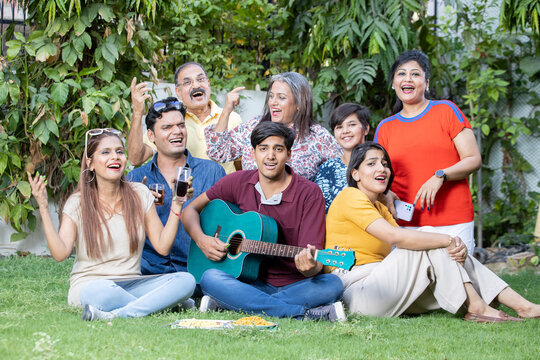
[266,248]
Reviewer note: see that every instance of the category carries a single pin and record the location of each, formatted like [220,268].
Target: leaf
[3,162]
[52,126]
[106,13]
[59,93]
[16,160]
[73,83]
[52,74]
[4,211]
[19,36]
[17,213]
[530,65]
[88,104]
[45,52]
[69,55]
[78,44]
[4,92]
[24,188]
[485,129]
[14,47]
[87,40]
[41,132]
[14,92]
[109,51]
[18,236]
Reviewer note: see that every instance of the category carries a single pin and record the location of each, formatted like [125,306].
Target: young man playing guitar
[285,287]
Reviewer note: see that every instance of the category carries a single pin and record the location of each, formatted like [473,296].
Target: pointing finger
[240,88]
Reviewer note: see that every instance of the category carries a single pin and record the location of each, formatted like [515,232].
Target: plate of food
[210,324]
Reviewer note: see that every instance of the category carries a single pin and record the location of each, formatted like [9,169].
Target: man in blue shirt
[167,130]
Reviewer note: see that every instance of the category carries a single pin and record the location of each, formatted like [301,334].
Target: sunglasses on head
[160,106]
[96,132]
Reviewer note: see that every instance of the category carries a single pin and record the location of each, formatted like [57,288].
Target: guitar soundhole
[234,244]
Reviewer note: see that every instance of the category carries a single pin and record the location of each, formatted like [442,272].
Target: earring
[393,87]
[93,175]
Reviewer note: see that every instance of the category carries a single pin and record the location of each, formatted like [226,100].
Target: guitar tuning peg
[349,249]
[336,247]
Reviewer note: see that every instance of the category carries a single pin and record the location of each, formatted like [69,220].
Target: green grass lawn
[36,322]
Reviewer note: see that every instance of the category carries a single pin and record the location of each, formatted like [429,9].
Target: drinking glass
[159,188]
[181,176]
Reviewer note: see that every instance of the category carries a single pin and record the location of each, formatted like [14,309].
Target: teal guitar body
[249,236]
[233,225]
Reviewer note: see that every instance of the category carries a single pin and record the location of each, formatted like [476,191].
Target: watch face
[439,173]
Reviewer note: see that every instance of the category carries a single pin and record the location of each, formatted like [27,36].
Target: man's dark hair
[343,111]
[171,104]
[266,129]
[182,67]
[358,155]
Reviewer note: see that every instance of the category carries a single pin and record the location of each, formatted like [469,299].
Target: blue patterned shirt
[331,178]
[205,174]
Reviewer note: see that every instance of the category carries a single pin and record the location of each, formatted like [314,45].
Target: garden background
[66,65]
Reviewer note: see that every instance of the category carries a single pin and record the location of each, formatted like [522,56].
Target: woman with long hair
[423,272]
[289,100]
[434,150]
[107,219]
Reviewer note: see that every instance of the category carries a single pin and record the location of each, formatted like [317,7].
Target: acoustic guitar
[248,236]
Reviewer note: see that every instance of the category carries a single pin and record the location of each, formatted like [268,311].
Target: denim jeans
[261,298]
[140,297]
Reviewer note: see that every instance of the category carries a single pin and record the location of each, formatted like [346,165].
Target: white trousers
[414,282]
[465,232]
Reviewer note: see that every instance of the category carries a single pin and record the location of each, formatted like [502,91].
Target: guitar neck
[266,248]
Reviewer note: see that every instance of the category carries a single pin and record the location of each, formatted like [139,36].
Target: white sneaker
[333,312]
[208,304]
[91,313]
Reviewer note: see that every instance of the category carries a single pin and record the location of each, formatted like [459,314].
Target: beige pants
[414,282]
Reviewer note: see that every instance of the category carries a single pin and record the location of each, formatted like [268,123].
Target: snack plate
[208,324]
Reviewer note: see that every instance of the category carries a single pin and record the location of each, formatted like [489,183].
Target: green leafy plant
[238,42]
[488,78]
[69,75]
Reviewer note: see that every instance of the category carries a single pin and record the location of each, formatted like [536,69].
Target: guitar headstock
[343,259]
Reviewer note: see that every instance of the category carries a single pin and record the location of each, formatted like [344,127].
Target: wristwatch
[440,174]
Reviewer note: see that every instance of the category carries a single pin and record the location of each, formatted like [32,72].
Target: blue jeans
[261,298]
[135,298]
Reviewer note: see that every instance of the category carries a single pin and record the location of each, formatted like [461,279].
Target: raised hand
[39,189]
[139,94]
[233,98]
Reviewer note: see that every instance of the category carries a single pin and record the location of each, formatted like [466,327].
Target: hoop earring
[92,179]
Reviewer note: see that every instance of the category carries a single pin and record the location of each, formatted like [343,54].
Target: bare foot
[531,311]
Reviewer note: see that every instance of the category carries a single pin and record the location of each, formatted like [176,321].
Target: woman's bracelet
[177,214]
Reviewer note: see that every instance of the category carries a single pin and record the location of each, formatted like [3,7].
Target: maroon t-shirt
[299,216]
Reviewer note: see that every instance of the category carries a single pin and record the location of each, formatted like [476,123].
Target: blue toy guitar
[249,235]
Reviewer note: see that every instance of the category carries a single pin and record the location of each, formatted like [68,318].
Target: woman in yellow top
[426,270]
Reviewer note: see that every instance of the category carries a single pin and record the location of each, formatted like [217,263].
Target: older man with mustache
[193,89]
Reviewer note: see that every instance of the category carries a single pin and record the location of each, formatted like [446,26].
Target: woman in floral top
[350,125]
[289,100]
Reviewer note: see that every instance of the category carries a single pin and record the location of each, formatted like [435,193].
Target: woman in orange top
[433,149]
[425,271]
